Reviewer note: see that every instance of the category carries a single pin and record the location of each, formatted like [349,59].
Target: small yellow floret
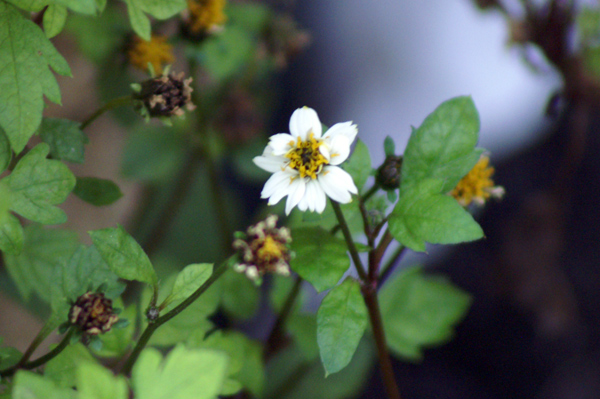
[206,15]
[306,158]
[270,250]
[156,52]
[477,186]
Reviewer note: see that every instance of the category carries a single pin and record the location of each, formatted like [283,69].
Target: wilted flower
[263,249]
[157,52]
[304,162]
[477,186]
[203,17]
[93,314]
[165,95]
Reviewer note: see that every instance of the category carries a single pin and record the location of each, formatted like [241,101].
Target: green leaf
[252,17]
[443,147]
[28,385]
[44,251]
[184,374]
[124,255]
[37,184]
[55,18]
[96,382]
[98,192]
[588,24]
[62,368]
[65,138]
[139,21]
[25,54]
[160,9]
[9,356]
[11,235]
[240,295]
[29,5]
[80,6]
[424,215]
[5,151]
[359,164]
[389,147]
[420,311]
[187,281]
[303,327]
[341,323]
[321,258]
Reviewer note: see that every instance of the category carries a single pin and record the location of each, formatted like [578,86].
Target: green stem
[349,241]
[114,103]
[286,310]
[43,359]
[39,338]
[147,334]
[369,193]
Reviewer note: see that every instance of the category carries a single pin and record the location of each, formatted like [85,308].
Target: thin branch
[349,241]
[114,103]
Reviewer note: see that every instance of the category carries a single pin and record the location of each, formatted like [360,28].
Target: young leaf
[97,382]
[160,9]
[62,368]
[124,255]
[55,17]
[98,192]
[321,258]
[424,215]
[359,164]
[341,323]
[44,251]
[187,281]
[88,7]
[28,385]
[25,54]
[443,147]
[389,147]
[420,311]
[139,21]
[5,151]
[65,138]
[37,184]
[184,374]
[11,235]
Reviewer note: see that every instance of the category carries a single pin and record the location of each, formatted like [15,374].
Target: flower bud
[93,314]
[388,174]
[165,96]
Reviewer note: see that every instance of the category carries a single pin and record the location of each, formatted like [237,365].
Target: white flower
[304,162]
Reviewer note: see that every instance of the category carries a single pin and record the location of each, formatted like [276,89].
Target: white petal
[278,181]
[303,121]
[337,184]
[269,162]
[296,192]
[324,150]
[281,143]
[340,149]
[320,199]
[347,129]
[312,197]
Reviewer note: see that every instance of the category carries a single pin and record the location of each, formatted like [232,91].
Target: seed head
[93,314]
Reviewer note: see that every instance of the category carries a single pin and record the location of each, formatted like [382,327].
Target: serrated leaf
[25,55]
[44,251]
[341,323]
[96,191]
[11,235]
[37,184]
[5,151]
[321,258]
[54,20]
[65,138]
[183,374]
[124,255]
[28,385]
[62,368]
[359,164]
[420,311]
[187,281]
[97,382]
[443,147]
[424,215]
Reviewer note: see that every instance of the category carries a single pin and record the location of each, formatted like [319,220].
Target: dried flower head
[165,95]
[93,314]
[157,52]
[203,18]
[263,249]
[388,174]
[477,186]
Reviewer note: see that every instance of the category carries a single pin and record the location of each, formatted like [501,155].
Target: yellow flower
[157,52]
[477,186]
[205,16]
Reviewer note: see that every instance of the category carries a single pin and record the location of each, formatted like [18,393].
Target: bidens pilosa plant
[161,307]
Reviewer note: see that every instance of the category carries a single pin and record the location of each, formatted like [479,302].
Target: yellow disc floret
[157,52]
[477,186]
[270,250]
[306,158]
[205,15]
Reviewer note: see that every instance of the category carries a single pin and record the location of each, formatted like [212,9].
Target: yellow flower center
[270,250]
[206,15]
[306,158]
[476,184]
[156,52]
